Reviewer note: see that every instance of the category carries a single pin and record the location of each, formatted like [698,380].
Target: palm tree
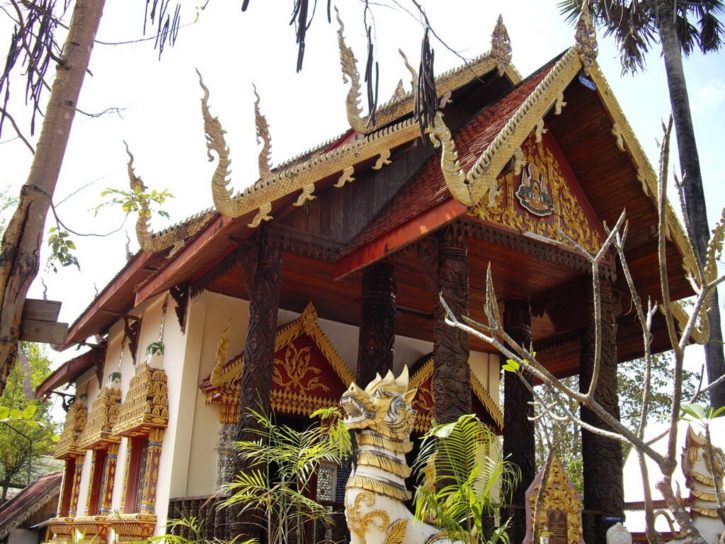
[679,27]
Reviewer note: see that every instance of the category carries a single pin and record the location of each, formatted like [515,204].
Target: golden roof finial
[349,72]
[263,137]
[501,46]
[586,37]
[144,214]
[215,142]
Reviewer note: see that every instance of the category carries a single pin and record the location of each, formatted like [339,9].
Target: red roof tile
[28,501]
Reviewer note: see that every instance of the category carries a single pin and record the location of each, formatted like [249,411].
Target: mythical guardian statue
[380,418]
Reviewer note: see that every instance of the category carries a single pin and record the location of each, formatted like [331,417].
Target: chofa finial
[263,137]
[586,37]
[501,46]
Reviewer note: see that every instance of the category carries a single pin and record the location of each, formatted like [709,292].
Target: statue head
[384,406]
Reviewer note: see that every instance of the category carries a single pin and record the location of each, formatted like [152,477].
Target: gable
[539,195]
[308,373]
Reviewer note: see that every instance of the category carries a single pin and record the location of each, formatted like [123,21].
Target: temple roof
[387,208]
[26,503]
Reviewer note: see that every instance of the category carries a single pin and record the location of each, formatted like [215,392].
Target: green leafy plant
[155,348]
[133,200]
[61,248]
[283,462]
[460,482]
[188,530]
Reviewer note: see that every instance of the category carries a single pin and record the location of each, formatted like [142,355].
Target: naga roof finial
[350,73]
[215,142]
[263,137]
[144,214]
[501,46]
[586,37]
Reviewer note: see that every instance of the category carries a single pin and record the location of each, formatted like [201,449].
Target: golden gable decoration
[75,423]
[299,383]
[535,197]
[424,402]
[147,404]
[559,511]
[101,419]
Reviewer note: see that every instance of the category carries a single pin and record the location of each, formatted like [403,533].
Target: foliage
[134,200]
[460,482]
[61,249]
[283,462]
[6,202]
[18,414]
[155,348]
[633,23]
[190,526]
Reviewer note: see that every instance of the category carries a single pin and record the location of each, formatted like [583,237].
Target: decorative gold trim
[538,164]
[173,236]
[645,173]
[262,215]
[617,133]
[469,188]
[586,39]
[389,489]
[75,424]
[101,419]
[701,331]
[345,177]
[383,159]
[264,138]
[397,445]
[216,143]
[226,375]
[501,46]
[146,405]
[401,106]
[698,468]
[306,195]
[359,523]
[389,464]
[133,527]
[559,495]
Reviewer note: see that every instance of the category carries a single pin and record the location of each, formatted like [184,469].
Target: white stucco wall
[87,384]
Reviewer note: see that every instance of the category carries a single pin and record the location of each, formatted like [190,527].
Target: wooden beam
[41,310]
[171,275]
[48,332]
[399,237]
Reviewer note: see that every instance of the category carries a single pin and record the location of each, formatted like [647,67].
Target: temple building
[328,269]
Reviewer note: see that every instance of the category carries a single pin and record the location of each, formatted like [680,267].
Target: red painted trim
[165,277]
[399,237]
[67,372]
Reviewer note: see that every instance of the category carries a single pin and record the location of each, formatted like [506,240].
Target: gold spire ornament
[350,73]
[586,38]
[264,138]
[216,144]
[501,46]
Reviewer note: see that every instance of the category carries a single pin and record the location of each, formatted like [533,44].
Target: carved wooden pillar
[109,475]
[151,472]
[377,323]
[75,490]
[263,283]
[518,430]
[451,372]
[603,484]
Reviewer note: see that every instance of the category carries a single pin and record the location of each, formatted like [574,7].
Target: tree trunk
[695,207]
[19,257]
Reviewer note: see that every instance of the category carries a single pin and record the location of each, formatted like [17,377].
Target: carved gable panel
[308,372]
[481,402]
[539,195]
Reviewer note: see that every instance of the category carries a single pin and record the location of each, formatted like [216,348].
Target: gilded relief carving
[296,372]
[566,214]
[146,405]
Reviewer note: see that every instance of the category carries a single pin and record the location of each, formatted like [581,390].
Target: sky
[160,117]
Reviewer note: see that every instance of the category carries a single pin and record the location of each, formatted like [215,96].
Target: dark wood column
[603,485]
[377,323]
[451,372]
[263,283]
[518,429]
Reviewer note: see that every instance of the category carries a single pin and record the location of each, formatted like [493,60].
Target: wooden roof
[386,208]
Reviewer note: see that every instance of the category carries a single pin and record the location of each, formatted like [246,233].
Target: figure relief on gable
[534,196]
